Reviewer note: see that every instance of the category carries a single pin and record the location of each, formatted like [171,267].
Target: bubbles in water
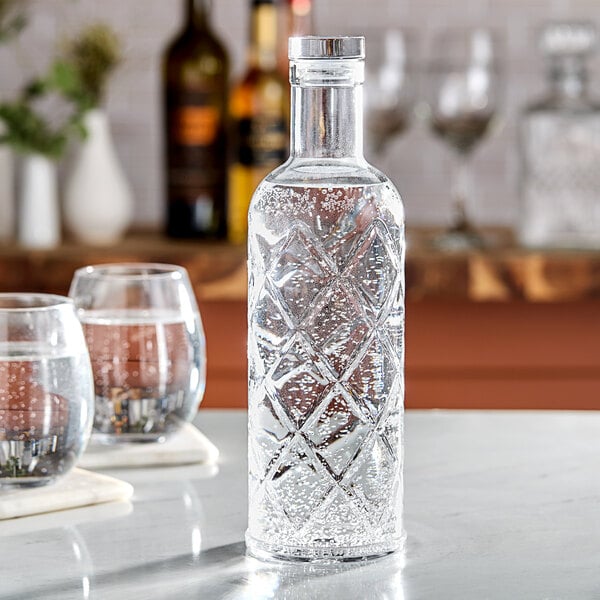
[326,361]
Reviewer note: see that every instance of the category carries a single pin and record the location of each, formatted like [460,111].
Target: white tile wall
[416,162]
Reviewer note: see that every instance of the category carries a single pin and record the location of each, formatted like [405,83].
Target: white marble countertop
[499,505]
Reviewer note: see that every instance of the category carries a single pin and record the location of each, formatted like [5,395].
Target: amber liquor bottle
[296,20]
[259,112]
[195,83]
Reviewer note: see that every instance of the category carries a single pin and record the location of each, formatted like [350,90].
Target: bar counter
[498,505]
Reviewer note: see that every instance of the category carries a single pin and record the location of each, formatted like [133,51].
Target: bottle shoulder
[322,171]
[328,182]
[195,45]
[326,210]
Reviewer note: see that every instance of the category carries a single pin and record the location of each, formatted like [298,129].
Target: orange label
[196,125]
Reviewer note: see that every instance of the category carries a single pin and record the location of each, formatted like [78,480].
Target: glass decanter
[560,148]
[326,329]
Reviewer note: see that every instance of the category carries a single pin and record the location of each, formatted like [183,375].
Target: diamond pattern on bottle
[337,326]
[373,378]
[325,362]
[299,379]
[335,228]
[337,243]
[371,478]
[391,429]
[271,330]
[265,509]
[272,436]
[337,518]
[299,476]
[261,251]
[394,321]
[373,269]
[300,272]
[337,432]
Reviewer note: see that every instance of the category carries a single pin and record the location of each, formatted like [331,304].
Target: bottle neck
[568,77]
[197,13]
[327,111]
[263,36]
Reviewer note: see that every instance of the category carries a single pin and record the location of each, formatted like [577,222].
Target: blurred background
[500,324]
[416,161]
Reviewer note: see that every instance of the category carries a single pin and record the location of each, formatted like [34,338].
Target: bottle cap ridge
[313,47]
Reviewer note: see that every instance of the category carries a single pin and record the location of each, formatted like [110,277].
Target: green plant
[74,84]
[29,130]
[94,54]
[12,18]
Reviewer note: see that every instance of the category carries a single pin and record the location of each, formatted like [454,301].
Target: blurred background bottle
[296,19]
[259,113]
[196,71]
[300,17]
[560,138]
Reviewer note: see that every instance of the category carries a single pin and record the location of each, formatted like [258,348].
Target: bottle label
[195,125]
[195,118]
[197,169]
[262,140]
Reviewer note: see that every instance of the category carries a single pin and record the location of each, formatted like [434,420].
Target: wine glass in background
[464,88]
[389,87]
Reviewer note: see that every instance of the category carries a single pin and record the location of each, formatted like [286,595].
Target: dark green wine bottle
[195,82]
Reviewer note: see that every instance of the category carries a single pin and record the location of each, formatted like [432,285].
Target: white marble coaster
[187,446]
[77,488]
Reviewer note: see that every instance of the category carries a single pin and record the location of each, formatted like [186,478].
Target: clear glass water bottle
[326,328]
[560,143]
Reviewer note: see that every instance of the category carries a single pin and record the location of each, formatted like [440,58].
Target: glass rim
[441,56]
[22,302]
[132,271]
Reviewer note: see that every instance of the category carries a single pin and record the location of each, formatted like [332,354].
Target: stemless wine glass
[464,89]
[46,389]
[146,343]
[389,86]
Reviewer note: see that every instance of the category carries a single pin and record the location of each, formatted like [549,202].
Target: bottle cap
[313,47]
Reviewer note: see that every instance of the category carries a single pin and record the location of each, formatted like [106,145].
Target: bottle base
[321,554]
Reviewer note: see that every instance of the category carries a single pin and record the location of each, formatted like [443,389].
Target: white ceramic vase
[98,203]
[39,213]
[7,195]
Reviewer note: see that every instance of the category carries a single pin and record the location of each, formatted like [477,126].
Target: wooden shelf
[505,328]
[503,275]
[218,271]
